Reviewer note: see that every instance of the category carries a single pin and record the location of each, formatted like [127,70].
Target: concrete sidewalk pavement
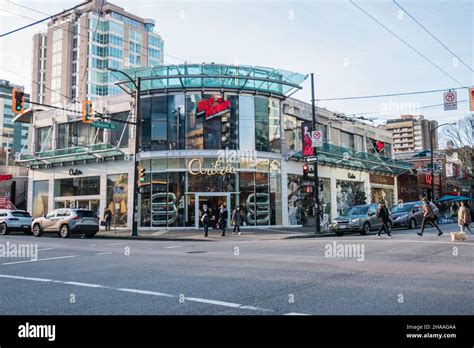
[276,233]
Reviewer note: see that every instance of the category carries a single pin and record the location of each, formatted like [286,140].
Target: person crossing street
[384,216]
[428,217]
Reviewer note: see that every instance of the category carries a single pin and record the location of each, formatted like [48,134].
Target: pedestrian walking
[236,220]
[107,219]
[205,220]
[384,216]
[222,219]
[428,217]
[464,217]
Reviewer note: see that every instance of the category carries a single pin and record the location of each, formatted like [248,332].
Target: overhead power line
[44,19]
[406,43]
[432,35]
[391,94]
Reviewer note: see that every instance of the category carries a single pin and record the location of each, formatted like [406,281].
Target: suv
[360,218]
[66,222]
[15,220]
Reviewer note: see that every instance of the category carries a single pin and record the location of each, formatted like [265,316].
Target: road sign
[450,100]
[101,124]
[316,138]
[311,159]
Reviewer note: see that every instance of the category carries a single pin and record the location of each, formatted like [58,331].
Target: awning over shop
[447,198]
[345,157]
[256,79]
[97,152]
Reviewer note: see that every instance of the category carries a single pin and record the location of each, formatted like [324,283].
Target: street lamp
[432,156]
[137,85]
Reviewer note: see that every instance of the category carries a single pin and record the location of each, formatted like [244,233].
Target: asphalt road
[407,274]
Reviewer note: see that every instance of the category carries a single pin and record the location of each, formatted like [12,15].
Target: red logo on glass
[212,107]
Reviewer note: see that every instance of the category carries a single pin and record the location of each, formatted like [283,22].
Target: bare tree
[461,137]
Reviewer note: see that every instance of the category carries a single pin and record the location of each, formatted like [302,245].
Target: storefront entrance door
[213,202]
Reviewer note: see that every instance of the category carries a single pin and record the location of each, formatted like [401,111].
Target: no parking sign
[450,100]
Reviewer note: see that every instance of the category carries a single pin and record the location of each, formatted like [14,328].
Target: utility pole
[317,208]
[135,161]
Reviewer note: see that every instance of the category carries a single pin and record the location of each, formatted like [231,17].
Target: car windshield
[358,211]
[402,208]
[21,214]
[85,213]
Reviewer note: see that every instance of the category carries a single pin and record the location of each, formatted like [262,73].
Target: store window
[84,186]
[40,198]
[349,193]
[117,197]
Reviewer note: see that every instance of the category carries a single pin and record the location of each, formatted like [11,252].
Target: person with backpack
[428,217]
[205,220]
[384,216]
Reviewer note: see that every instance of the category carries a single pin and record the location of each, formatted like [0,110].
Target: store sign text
[75,171]
[216,169]
[213,107]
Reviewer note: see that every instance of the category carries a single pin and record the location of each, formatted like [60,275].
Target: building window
[43,139]
[83,186]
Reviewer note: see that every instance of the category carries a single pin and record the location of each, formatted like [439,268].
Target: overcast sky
[348,52]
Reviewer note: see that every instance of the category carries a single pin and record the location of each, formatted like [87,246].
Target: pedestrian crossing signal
[18,101]
[142,175]
[87,111]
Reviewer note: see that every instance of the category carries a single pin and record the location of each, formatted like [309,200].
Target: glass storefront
[83,186]
[349,193]
[40,198]
[174,191]
[117,196]
[385,194]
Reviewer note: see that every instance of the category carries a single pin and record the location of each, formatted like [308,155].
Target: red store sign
[212,107]
[5,177]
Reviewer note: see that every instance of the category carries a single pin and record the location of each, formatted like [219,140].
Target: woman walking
[428,217]
[236,220]
[464,217]
[205,220]
[107,218]
[222,219]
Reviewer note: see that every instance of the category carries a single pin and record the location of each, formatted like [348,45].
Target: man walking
[205,220]
[384,216]
[222,219]
[428,217]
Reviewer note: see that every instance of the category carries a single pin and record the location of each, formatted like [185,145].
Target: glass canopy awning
[345,157]
[257,79]
[96,152]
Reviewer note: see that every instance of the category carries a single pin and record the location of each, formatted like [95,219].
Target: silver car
[15,220]
[361,219]
[66,222]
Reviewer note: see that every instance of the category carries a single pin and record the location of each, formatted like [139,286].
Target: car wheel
[90,235]
[3,229]
[412,224]
[37,230]
[366,229]
[64,231]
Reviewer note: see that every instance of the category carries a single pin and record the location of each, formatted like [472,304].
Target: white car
[15,220]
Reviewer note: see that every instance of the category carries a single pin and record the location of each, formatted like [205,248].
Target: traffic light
[142,175]
[18,101]
[87,111]
[471,99]
[305,171]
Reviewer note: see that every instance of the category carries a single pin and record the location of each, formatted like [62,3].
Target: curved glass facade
[214,140]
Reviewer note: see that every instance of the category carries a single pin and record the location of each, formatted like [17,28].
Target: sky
[348,52]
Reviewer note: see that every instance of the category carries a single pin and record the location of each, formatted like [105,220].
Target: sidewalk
[247,234]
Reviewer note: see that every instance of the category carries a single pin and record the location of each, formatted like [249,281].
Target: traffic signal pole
[135,159]
[317,208]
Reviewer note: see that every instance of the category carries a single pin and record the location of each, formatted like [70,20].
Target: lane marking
[145,292]
[46,249]
[104,253]
[173,246]
[294,313]
[38,260]
[141,292]
[111,244]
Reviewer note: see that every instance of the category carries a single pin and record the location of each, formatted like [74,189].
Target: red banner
[5,177]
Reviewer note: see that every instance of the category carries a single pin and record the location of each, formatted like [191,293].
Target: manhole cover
[196,252]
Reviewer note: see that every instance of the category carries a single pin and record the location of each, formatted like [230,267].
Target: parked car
[360,218]
[66,222]
[15,220]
